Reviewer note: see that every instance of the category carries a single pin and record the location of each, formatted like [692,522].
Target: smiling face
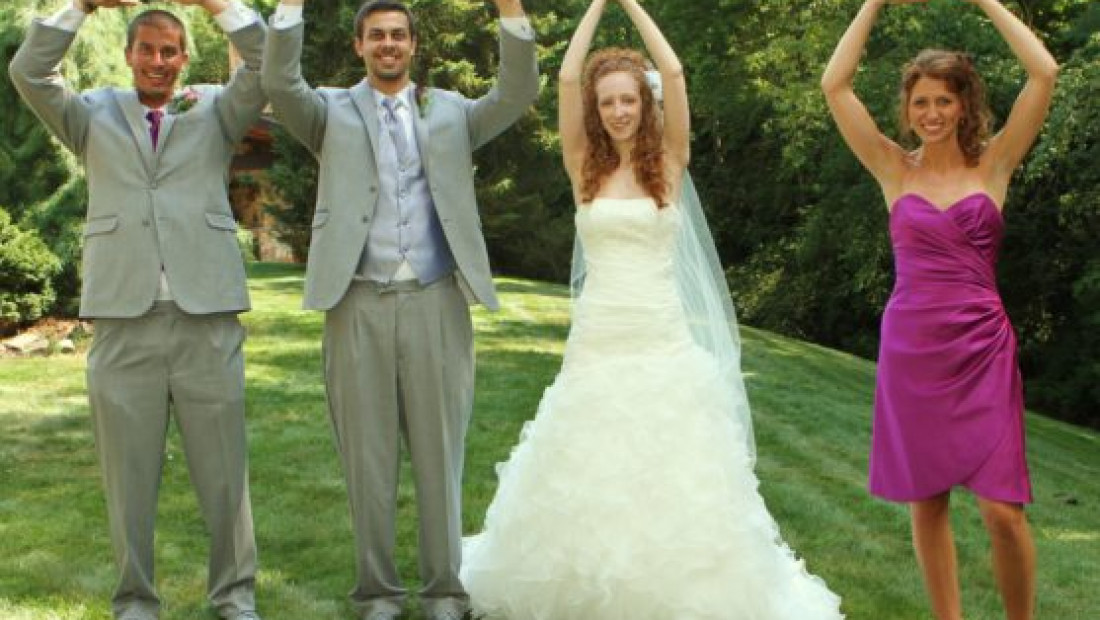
[619,100]
[387,47]
[933,110]
[156,57]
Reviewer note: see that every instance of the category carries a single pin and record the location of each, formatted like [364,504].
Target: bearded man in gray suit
[163,281]
[396,258]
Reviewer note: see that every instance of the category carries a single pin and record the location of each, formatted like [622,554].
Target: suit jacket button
[373,189]
[366,218]
[145,222]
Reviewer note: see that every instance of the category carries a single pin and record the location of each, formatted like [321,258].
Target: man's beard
[391,75]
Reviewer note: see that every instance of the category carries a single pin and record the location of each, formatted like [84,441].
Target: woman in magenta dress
[948,400]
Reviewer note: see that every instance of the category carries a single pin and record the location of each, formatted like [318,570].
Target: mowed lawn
[812,414]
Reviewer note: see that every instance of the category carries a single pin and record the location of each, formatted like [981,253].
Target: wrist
[510,8]
[215,7]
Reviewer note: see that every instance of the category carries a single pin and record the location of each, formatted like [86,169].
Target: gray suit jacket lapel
[363,96]
[134,114]
[166,123]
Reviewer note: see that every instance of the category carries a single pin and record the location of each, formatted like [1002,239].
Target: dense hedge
[26,270]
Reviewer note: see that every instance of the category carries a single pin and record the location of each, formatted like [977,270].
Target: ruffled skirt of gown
[631,497]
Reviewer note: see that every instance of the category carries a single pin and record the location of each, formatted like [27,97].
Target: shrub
[26,269]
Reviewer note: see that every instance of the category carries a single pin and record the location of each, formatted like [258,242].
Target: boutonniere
[183,101]
[423,100]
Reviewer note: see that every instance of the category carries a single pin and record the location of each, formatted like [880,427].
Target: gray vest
[405,225]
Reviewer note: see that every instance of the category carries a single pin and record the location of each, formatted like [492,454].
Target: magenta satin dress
[948,398]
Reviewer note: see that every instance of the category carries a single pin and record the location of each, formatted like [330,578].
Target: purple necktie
[154,125]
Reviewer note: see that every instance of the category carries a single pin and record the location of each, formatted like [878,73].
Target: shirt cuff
[519,27]
[235,17]
[286,16]
[69,18]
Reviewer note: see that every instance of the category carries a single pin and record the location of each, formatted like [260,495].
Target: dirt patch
[47,337]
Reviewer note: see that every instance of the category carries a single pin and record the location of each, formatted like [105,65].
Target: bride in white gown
[631,495]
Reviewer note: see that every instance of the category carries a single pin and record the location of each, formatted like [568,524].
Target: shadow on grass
[507,285]
[502,329]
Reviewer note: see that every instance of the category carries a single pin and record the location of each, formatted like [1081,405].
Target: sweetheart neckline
[587,206]
[948,208]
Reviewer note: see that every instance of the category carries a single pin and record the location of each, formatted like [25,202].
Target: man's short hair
[157,18]
[378,6]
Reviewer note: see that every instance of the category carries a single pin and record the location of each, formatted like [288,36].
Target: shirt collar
[402,96]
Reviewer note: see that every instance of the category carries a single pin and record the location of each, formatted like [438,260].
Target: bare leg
[935,548]
[1013,556]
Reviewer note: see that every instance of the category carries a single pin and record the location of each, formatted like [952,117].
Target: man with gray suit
[396,258]
[163,281]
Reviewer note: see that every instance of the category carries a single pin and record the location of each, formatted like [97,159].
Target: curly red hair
[962,79]
[601,158]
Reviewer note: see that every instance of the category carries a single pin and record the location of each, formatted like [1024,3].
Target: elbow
[16,72]
[1047,72]
[834,88]
[834,80]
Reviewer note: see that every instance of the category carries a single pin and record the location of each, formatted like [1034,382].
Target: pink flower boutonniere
[423,100]
[183,101]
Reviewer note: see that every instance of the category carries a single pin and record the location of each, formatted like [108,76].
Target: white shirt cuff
[69,18]
[286,16]
[235,17]
[519,27]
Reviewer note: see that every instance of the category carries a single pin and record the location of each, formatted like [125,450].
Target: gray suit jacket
[149,209]
[340,127]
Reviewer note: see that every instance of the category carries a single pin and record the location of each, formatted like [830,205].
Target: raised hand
[509,8]
[108,4]
[212,6]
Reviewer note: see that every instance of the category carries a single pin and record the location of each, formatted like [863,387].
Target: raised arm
[1008,148]
[300,109]
[677,136]
[239,104]
[213,7]
[574,143]
[34,71]
[878,153]
[517,84]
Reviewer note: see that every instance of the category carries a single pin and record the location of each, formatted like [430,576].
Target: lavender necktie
[396,128]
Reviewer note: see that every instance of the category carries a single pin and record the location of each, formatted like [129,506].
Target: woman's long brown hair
[601,158]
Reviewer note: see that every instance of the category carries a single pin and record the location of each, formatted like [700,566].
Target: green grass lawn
[812,414]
